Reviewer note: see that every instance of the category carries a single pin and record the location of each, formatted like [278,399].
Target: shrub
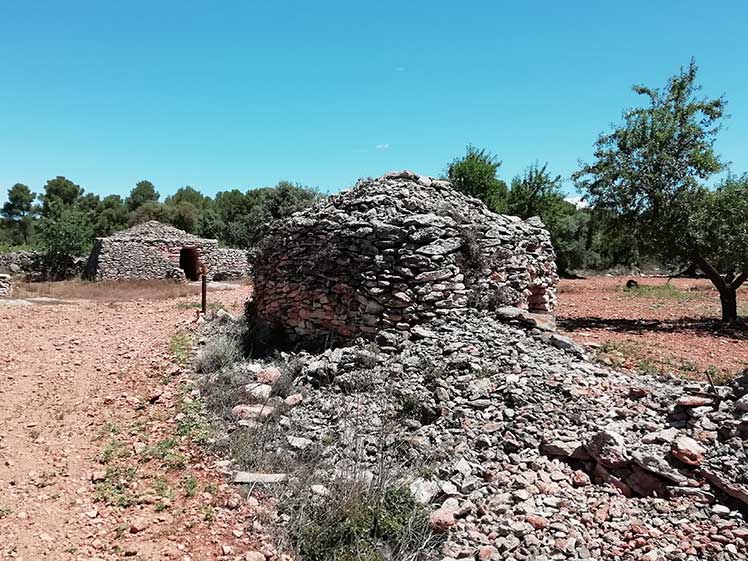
[355,523]
[218,352]
[222,390]
[474,257]
[67,233]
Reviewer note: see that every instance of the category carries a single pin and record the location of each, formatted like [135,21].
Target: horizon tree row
[233,217]
[646,189]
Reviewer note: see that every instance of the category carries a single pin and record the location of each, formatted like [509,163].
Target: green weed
[193,423]
[659,291]
[116,449]
[189,484]
[180,346]
[114,489]
[164,452]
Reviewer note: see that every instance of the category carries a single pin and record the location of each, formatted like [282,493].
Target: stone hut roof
[395,252]
[155,231]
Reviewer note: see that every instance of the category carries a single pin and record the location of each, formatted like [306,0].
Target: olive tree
[719,226]
[475,174]
[649,174]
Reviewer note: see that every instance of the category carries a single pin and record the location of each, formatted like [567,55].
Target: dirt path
[91,462]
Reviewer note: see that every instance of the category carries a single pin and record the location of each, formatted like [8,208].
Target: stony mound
[521,450]
[395,252]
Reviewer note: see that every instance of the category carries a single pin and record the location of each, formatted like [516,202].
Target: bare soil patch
[98,436]
[661,327]
[110,291]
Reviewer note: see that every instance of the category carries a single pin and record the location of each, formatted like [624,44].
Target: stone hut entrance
[190,263]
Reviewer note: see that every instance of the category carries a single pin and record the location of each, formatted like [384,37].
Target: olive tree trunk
[728,288]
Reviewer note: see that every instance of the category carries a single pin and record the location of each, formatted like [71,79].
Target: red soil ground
[669,329]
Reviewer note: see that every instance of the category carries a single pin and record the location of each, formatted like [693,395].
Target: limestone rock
[609,449]
[688,451]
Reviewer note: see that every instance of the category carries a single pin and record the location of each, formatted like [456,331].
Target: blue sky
[244,93]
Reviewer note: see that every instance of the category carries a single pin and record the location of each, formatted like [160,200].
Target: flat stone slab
[250,477]
[14,302]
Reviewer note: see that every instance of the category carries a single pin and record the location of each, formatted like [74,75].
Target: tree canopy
[19,210]
[648,170]
[65,233]
[649,174]
[62,191]
[143,192]
[475,174]
[236,218]
[538,193]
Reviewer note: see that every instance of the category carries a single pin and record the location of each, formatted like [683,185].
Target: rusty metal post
[204,275]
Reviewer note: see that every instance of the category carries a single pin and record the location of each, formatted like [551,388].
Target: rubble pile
[522,448]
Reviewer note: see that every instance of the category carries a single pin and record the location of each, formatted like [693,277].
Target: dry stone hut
[394,252]
[153,250]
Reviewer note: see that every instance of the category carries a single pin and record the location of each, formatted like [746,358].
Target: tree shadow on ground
[698,326]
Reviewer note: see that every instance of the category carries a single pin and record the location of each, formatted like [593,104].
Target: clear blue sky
[223,94]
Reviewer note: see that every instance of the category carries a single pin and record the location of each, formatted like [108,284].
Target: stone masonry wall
[395,252]
[226,263]
[32,266]
[20,262]
[6,285]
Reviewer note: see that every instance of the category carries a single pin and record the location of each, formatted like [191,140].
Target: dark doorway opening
[190,263]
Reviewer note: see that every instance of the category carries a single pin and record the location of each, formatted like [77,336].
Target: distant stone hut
[153,250]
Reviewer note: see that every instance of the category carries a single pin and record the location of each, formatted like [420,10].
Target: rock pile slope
[521,449]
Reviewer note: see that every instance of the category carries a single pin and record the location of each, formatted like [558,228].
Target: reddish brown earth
[94,464]
[91,400]
[671,331]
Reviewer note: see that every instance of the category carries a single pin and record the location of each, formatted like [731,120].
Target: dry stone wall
[227,263]
[20,262]
[6,285]
[35,267]
[395,252]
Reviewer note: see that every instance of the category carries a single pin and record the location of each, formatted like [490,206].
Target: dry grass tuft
[107,291]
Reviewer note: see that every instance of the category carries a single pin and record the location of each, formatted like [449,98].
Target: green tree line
[647,192]
[583,237]
[64,220]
